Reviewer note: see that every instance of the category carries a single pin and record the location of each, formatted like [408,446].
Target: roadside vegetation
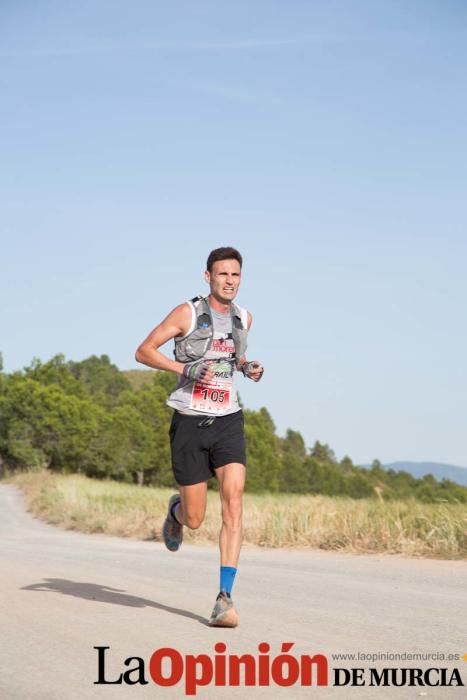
[362,525]
[89,419]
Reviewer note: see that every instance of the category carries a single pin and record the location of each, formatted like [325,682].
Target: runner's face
[224,280]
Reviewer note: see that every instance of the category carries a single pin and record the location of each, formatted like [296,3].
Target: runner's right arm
[177,323]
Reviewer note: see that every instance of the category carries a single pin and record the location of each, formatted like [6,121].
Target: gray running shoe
[172,531]
[224,613]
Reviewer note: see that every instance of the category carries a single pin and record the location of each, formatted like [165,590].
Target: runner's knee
[193,520]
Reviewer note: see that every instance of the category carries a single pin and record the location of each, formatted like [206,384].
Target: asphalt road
[64,593]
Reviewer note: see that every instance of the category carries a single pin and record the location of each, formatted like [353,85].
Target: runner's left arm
[254,369]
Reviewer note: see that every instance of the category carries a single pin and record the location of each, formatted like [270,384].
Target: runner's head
[223,273]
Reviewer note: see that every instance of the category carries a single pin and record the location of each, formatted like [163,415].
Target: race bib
[211,398]
[214,397]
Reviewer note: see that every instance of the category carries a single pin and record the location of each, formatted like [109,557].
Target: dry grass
[398,527]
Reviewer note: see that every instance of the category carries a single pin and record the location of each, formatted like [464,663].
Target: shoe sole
[164,536]
[170,549]
[227,619]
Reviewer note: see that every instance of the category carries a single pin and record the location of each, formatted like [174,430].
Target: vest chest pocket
[197,344]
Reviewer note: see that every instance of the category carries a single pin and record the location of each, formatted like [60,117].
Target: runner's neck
[221,308]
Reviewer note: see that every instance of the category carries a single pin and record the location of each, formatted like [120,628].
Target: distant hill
[437,469]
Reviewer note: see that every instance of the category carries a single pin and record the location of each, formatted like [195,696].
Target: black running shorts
[198,451]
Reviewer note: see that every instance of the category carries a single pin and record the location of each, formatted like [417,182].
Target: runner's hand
[253,370]
[198,371]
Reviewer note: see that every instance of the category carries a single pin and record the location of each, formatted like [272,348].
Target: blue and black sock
[227,578]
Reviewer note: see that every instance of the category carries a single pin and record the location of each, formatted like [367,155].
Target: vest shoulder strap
[199,305]
[242,314]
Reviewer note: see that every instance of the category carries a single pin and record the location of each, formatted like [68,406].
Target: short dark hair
[226,253]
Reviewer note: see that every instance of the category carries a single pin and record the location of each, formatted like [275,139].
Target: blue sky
[326,140]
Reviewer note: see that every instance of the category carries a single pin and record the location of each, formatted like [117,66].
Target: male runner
[206,435]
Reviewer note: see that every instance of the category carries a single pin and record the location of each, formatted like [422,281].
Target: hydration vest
[197,342]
